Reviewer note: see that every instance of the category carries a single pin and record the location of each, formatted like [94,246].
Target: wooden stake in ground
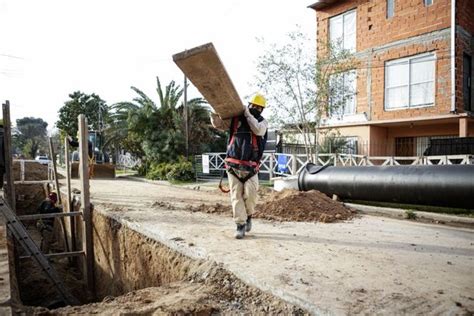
[7,136]
[55,170]
[86,205]
[72,220]
[58,192]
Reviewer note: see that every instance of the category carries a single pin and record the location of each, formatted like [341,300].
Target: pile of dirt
[289,205]
[217,208]
[33,171]
[310,206]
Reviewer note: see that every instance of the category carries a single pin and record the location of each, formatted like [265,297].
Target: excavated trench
[134,273]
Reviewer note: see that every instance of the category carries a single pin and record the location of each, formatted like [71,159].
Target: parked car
[42,160]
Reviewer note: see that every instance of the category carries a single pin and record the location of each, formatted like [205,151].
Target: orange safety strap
[242,162]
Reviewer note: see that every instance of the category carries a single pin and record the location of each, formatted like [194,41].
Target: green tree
[31,136]
[155,131]
[298,85]
[91,105]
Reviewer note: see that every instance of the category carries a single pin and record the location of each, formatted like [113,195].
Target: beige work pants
[243,197]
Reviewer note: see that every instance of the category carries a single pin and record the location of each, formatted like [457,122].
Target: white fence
[127,161]
[279,164]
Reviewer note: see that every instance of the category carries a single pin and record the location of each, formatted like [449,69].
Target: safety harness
[252,166]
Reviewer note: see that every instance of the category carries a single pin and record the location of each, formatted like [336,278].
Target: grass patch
[421,208]
[126,171]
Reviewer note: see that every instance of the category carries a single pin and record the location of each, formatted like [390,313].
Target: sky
[51,48]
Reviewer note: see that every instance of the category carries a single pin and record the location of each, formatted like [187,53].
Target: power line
[12,56]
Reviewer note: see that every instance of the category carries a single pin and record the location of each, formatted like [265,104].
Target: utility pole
[186,114]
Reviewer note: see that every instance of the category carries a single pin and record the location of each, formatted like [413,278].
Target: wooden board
[205,70]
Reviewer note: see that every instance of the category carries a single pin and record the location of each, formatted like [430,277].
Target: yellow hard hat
[259,100]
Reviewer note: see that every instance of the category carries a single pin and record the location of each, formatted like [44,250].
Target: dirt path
[366,265]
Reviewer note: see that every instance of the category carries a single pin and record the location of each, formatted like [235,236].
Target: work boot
[248,225]
[240,233]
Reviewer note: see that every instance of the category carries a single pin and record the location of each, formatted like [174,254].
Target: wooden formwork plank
[7,147]
[88,246]
[203,67]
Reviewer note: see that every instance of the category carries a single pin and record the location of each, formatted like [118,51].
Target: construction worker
[248,135]
[46,225]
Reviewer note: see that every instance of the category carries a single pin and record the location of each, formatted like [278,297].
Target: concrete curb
[424,217]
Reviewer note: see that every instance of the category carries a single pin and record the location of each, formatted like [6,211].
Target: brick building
[400,95]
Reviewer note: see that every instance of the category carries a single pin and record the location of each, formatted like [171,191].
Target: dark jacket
[46,207]
[245,149]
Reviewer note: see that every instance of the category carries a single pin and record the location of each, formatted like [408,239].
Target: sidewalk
[425,217]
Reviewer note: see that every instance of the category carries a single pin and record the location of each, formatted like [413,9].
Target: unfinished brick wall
[442,81]
[464,45]
[411,18]
[465,15]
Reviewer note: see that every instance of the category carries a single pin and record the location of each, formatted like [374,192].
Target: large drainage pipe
[438,185]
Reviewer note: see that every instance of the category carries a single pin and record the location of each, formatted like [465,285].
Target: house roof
[321,4]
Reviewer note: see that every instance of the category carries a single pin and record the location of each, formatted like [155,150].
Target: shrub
[181,171]
[159,171]
[178,171]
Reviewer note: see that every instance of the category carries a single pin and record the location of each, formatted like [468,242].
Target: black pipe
[436,185]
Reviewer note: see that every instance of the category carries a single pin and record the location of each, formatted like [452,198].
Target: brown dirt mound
[33,171]
[311,206]
[213,209]
[288,205]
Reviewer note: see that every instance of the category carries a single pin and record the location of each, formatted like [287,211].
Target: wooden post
[55,170]
[87,243]
[72,221]
[7,135]
[58,192]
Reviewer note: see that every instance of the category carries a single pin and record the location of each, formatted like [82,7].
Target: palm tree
[156,131]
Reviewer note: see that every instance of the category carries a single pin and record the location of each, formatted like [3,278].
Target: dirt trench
[135,274]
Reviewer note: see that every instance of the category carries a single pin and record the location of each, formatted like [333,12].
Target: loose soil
[33,171]
[29,198]
[311,206]
[35,288]
[130,262]
[288,205]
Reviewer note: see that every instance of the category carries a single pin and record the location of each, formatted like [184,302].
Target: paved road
[367,265]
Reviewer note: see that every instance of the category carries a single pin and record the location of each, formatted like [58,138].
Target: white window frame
[346,94]
[337,46]
[408,84]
